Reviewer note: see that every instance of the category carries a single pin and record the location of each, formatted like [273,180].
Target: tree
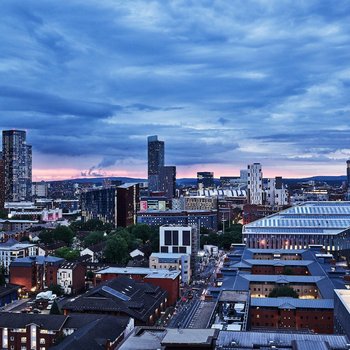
[94,238]
[63,233]
[283,291]
[46,237]
[89,275]
[2,276]
[67,253]
[55,310]
[142,231]
[3,214]
[116,250]
[56,289]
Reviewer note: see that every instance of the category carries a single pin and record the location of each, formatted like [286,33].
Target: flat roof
[292,303]
[189,336]
[344,297]
[168,255]
[148,272]
[329,218]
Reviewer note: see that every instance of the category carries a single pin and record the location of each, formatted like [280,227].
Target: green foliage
[287,271]
[67,253]
[283,291]
[90,225]
[116,250]
[55,309]
[89,275]
[56,289]
[3,214]
[46,237]
[94,238]
[142,231]
[232,234]
[2,276]
[63,233]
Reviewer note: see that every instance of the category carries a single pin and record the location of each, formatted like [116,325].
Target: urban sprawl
[236,262]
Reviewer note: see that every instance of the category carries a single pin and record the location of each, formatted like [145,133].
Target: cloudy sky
[223,83]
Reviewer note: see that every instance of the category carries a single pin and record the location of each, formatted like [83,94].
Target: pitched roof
[93,334]
[122,294]
[20,320]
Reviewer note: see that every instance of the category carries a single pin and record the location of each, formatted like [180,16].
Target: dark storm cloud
[218,81]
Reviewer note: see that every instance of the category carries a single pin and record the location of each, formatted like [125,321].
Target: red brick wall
[171,286]
[23,276]
[278,270]
[78,279]
[319,321]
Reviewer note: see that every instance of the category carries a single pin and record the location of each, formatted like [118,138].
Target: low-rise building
[71,277]
[172,261]
[12,249]
[122,296]
[96,251]
[8,293]
[35,273]
[168,280]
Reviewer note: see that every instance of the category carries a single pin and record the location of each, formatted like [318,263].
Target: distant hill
[193,181]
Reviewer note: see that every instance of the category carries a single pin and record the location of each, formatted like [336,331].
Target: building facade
[17,157]
[205,179]
[255,183]
[115,205]
[155,162]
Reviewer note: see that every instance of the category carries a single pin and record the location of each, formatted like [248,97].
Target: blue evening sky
[224,83]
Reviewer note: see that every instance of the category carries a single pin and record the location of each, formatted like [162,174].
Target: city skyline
[265,82]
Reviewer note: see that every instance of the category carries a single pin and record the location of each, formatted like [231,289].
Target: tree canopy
[283,291]
[67,253]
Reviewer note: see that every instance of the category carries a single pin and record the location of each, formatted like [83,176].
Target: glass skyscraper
[155,162]
[17,158]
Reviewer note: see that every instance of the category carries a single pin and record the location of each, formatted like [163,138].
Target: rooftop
[123,295]
[329,218]
[38,259]
[279,340]
[147,272]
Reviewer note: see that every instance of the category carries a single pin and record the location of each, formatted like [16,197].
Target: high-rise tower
[255,183]
[348,172]
[17,158]
[155,162]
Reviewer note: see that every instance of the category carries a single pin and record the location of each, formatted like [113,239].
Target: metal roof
[307,218]
[290,303]
[250,340]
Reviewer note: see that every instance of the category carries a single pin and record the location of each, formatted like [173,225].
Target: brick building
[311,274]
[122,296]
[71,277]
[35,272]
[168,280]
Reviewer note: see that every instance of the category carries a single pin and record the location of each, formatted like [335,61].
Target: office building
[205,179]
[179,239]
[167,181]
[2,182]
[155,162]
[255,184]
[201,218]
[40,189]
[17,156]
[323,223]
[114,205]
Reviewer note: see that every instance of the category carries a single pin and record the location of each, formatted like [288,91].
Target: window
[23,339]
[42,340]
[175,237]
[164,249]
[186,238]
[167,237]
